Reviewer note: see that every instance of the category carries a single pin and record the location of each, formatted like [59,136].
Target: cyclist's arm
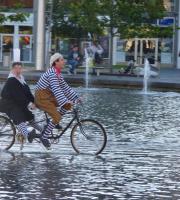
[70,94]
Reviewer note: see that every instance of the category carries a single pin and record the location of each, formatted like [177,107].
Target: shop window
[125,50]
[24,41]
[7,29]
[25,48]
[25,30]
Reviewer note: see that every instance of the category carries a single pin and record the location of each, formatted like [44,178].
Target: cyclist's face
[60,63]
[17,70]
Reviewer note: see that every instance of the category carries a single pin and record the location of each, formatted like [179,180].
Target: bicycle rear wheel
[88,136]
[7,133]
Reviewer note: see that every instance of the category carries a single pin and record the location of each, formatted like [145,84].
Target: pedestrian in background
[74,59]
[97,52]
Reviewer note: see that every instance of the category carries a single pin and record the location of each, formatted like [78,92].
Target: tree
[125,18]
[133,18]
[75,19]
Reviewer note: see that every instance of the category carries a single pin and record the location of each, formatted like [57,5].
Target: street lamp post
[48,32]
[178,36]
[39,33]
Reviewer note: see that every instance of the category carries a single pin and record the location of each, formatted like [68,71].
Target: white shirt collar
[19,78]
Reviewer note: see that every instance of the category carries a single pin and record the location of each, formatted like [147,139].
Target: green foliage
[146,30]
[134,18]
[2,18]
[76,18]
[17,9]
[130,18]
[18,17]
[119,66]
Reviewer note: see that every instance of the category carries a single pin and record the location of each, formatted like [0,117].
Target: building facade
[164,52]
[9,3]
[17,35]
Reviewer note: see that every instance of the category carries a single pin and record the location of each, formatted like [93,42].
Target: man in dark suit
[17,101]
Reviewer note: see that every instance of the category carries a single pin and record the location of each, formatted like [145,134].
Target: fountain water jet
[86,67]
[146,76]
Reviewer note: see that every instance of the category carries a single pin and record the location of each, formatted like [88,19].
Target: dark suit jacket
[16,94]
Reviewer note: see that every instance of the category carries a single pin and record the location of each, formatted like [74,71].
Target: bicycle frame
[75,118]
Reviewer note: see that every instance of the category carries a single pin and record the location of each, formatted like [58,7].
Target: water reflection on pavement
[141,160]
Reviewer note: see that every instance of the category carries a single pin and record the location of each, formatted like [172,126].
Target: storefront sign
[167,21]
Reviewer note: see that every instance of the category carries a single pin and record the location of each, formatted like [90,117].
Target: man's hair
[16,63]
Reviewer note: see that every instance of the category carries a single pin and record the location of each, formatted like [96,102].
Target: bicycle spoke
[7,133]
[88,137]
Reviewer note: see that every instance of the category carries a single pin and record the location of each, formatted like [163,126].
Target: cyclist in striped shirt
[53,95]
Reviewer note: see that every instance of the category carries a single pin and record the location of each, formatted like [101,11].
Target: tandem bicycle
[86,135]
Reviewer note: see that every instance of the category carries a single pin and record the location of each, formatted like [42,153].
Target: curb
[108,81]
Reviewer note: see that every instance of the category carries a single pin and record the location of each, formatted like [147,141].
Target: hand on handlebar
[70,104]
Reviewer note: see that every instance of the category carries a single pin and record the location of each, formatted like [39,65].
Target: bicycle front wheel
[7,133]
[88,136]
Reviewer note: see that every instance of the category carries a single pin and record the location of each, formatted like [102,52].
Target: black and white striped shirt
[56,83]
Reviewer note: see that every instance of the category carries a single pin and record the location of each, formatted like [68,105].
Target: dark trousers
[73,65]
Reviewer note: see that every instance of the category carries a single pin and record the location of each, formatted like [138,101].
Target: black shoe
[32,135]
[59,127]
[45,142]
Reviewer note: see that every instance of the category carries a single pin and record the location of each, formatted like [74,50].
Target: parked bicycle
[87,135]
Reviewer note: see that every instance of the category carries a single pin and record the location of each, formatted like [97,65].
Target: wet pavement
[141,159]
